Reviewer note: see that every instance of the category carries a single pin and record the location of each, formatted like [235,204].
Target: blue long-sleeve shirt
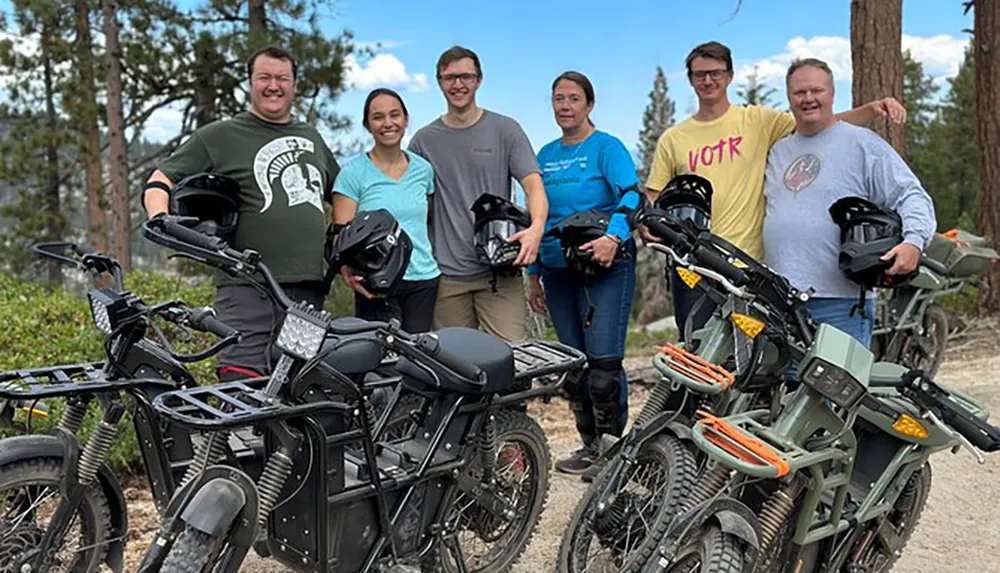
[595,173]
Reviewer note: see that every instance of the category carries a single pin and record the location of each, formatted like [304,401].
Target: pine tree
[652,298]
[754,91]
[659,115]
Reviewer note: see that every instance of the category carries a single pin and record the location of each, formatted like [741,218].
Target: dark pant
[412,304]
[684,298]
[600,405]
[253,313]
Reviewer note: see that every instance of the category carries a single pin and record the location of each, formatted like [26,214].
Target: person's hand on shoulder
[891,108]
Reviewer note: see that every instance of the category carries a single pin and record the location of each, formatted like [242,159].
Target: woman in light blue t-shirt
[389,177]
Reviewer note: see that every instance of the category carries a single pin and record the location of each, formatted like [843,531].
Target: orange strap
[953,236]
[696,367]
[739,444]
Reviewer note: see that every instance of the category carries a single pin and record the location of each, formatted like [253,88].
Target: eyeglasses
[466,79]
[714,74]
[558,99]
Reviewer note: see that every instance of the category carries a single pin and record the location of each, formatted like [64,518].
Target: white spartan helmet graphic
[279,160]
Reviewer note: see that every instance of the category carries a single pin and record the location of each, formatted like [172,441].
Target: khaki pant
[473,303]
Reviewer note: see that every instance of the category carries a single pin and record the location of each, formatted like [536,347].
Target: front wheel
[489,543]
[712,551]
[621,537]
[193,552]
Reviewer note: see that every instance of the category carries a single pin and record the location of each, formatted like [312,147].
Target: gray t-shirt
[468,162]
[805,175]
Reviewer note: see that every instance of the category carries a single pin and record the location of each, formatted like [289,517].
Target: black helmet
[375,247]
[688,197]
[867,232]
[212,198]
[496,219]
[577,230]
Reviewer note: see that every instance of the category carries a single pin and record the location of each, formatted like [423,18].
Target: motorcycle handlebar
[711,258]
[431,346]
[203,319]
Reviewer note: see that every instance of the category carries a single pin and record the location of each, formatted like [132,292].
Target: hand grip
[432,346]
[981,434]
[663,231]
[204,319]
[712,259]
[191,236]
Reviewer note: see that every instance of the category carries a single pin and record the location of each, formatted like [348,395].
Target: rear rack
[537,358]
[234,405]
[52,381]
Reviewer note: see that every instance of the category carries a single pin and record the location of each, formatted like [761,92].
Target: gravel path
[959,531]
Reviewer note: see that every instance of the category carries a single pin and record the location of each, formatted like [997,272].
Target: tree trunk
[987,78]
[97,223]
[52,208]
[877,60]
[205,54]
[117,154]
[258,23]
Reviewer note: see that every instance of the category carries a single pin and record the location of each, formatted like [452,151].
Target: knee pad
[604,379]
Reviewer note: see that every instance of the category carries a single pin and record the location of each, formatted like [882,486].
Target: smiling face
[386,120]
[569,102]
[710,79]
[459,81]
[272,85]
[810,96]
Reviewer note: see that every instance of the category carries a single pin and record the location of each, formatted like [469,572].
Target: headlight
[108,308]
[837,366]
[303,331]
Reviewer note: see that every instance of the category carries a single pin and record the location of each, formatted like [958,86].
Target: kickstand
[451,543]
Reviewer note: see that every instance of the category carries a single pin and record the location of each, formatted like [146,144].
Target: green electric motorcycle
[832,480]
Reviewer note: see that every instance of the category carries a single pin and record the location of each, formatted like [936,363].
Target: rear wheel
[490,543]
[925,350]
[30,495]
[877,551]
[620,538]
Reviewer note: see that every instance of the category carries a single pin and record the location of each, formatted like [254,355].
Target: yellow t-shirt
[731,152]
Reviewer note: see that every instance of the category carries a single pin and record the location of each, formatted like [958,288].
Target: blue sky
[525,44]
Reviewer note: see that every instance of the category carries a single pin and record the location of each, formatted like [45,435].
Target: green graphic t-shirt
[286,173]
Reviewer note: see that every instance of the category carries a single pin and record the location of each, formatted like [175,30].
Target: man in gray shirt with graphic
[823,161]
[475,151]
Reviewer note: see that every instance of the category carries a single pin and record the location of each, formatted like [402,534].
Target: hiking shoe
[578,462]
[596,467]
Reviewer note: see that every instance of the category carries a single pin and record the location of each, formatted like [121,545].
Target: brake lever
[962,440]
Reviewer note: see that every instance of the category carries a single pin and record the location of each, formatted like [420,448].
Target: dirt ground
[959,531]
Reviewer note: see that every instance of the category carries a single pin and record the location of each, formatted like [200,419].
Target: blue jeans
[684,299]
[571,298]
[837,312]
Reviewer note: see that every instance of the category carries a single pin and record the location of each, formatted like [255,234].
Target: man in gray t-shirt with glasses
[823,161]
[475,151]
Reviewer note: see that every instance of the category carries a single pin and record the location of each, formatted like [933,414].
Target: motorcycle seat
[353,354]
[493,355]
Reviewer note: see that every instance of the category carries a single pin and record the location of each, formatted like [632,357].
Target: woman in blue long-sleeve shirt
[582,170]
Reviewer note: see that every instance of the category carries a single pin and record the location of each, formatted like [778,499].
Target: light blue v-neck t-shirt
[405,199]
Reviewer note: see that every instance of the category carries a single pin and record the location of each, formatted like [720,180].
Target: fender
[214,506]
[732,516]
[660,424]
[22,448]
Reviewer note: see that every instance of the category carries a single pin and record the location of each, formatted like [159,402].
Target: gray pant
[253,313]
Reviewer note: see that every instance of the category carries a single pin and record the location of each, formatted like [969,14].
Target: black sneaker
[578,462]
[596,467]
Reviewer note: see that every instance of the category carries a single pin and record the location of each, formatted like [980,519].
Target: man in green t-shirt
[286,173]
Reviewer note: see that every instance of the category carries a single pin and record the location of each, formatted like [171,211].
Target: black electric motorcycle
[464,493]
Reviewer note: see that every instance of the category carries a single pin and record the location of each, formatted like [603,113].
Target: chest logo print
[802,172]
[286,161]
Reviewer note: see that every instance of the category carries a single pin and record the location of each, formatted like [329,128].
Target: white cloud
[940,55]
[164,124]
[383,70]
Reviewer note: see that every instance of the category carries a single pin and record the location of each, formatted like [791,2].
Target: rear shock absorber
[207,452]
[272,480]
[488,448]
[72,418]
[655,402]
[99,445]
[710,484]
[773,515]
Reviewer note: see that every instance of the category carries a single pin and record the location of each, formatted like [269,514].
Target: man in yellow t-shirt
[728,145]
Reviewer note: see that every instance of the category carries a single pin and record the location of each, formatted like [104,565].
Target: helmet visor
[691,213]
[374,256]
[492,237]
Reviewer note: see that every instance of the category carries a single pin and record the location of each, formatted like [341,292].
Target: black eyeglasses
[714,74]
[466,79]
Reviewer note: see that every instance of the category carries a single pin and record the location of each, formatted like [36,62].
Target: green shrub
[47,327]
